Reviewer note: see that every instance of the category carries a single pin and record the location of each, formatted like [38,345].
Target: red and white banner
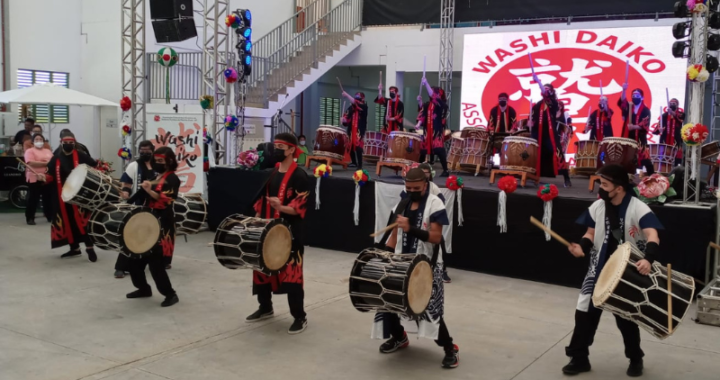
[575,62]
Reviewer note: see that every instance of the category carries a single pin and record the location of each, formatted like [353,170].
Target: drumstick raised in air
[386,229]
[669,292]
[541,226]
[26,165]
[340,84]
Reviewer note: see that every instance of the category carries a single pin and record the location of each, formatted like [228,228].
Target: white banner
[387,196]
[182,133]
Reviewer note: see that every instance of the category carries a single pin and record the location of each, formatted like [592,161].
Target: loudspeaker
[174,30]
[167,9]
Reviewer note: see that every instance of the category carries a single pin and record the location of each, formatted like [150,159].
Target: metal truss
[447,29]
[216,59]
[133,67]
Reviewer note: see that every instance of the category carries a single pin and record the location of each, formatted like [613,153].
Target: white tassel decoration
[317,194]
[502,218]
[695,162]
[461,218]
[356,209]
[547,218]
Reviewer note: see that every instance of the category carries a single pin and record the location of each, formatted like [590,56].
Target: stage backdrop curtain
[387,196]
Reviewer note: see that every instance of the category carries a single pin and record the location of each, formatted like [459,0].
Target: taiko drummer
[284,195]
[616,218]
[420,219]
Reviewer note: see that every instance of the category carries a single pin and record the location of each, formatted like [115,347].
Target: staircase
[287,61]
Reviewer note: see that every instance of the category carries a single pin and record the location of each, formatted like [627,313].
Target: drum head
[141,232]
[74,182]
[611,274]
[277,245]
[420,287]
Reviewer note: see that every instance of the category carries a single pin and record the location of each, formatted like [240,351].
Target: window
[330,111]
[380,112]
[41,113]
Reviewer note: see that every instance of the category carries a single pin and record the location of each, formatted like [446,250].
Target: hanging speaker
[174,30]
[168,9]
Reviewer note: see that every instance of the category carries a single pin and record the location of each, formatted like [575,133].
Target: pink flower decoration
[653,186]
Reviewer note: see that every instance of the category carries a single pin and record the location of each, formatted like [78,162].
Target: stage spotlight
[681,30]
[681,49]
[246,17]
[711,64]
[713,43]
[245,32]
[714,21]
[244,46]
[246,63]
[681,9]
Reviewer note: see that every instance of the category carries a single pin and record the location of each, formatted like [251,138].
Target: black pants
[35,191]
[586,324]
[397,331]
[356,157]
[157,270]
[649,168]
[295,295]
[442,155]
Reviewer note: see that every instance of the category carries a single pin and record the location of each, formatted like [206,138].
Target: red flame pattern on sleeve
[168,245]
[299,204]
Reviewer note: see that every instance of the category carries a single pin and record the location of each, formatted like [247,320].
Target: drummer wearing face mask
[638,125]
[600,122]
[629,220]
[670,125]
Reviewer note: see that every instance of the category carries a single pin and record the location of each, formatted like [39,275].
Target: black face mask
[605,195]
[600,106]
[158,167]
[67,148]
[673,107]
[503,103]
[637,101]
[145,157]
[279,155]
[392,95]
[415,196]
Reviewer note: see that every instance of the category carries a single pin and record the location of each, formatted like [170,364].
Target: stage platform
[478,245]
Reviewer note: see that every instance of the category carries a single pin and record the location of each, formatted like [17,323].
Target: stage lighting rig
[681,10]
[244,45]
[681,30]
[681,49]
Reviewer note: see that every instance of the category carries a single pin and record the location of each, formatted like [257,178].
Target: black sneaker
[140,294]
[636,368]
[445,174]
[119,274]
[452,358]
[298,326]
[446,278]
[259,316]
[393,344]
[576,366]
[170,300]
[91,255]
[30,222]
[71,253]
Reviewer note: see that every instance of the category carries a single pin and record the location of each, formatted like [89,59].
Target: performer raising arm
[616,218]
[284,196]
[600,123]
[420,220]
[68,227]
[543,129]
[431,117]
[670,127]
[638,125]
[395,109]
[355,119]
[159,196]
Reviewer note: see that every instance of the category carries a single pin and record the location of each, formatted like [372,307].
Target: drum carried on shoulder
[127,229]
[260,244]
[623,291]
[382,281]
[89,188]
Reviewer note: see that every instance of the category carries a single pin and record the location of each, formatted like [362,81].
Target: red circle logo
[157,117]
[576,74]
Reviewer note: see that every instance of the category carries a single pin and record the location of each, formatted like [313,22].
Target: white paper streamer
[356,209]
[317,194]
[502,218]
[547,217]
[695,162]
[461,218]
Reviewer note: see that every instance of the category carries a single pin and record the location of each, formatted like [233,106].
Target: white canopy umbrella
[51,94]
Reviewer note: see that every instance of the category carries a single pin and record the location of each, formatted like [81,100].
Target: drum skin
[374,270]
[89,188]
[242,241]
[331,142]
[107,229]
[403,148]
[586,158]
[519,153]
[620,151]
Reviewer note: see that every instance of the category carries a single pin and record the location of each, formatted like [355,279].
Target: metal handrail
[282,55]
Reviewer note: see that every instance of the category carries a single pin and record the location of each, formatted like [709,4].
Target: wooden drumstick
[386,229]
[541,226]
[669,291]
[715,246]
[340,84]
[26,165]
